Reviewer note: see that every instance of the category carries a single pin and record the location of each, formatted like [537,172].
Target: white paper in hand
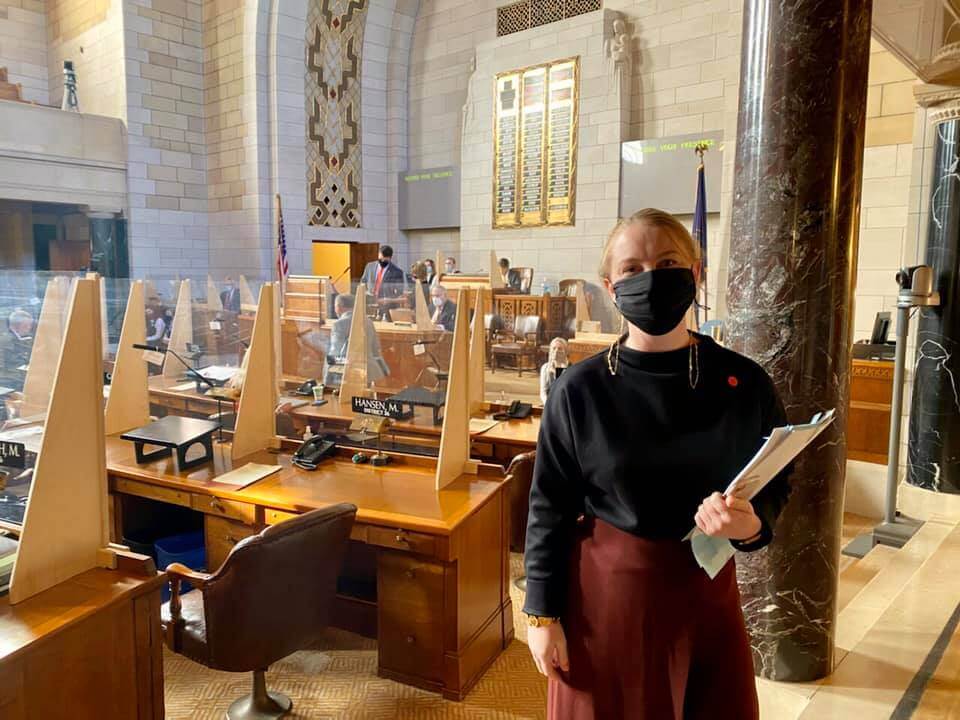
[712,553]
[783,445]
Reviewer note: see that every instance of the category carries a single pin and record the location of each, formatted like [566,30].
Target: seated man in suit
[340,340]
[444,309]
[230,298]
[384,280]
[511,278]
[21,326]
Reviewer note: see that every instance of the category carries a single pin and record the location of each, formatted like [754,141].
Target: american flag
[283,269]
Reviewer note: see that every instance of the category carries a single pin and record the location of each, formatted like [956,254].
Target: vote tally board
[535,142]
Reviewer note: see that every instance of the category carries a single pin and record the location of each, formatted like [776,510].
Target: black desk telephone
[309,455]
[516,411]
[306,388]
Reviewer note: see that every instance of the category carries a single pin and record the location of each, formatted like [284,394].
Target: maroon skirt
[650,636]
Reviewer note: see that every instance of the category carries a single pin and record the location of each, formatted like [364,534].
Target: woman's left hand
[727,517]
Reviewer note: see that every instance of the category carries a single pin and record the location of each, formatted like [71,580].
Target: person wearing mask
[636,445]
[156,325]
[511,278]
[340,342]
[450,266]
[384,280]
[444,310]
[551,369]
[230,298]
[431,270]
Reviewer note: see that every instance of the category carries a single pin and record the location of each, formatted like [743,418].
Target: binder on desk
[784,444]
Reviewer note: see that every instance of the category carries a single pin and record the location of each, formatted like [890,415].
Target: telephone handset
[516,411]
[306,388]
[309,455]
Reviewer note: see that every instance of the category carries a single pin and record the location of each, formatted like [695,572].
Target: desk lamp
[916,290]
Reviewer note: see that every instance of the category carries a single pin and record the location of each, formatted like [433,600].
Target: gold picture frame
[535,131]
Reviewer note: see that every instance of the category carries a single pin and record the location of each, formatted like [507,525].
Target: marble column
[933,455]
[793,256]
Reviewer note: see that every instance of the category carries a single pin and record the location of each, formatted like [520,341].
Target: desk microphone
[190,370]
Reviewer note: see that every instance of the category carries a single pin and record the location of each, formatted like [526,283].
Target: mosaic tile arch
[334,49]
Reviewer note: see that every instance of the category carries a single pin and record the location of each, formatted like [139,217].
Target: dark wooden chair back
[520,474]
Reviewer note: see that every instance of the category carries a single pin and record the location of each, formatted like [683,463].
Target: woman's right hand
[548,645]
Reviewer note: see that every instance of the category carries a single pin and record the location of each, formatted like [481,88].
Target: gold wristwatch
[537,621]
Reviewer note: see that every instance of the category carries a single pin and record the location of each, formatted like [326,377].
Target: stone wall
[165,122]
[23,47]
[887,164]
[685,71]
[90,33]
[554,252]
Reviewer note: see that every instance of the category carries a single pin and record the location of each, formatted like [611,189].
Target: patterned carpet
[339,680]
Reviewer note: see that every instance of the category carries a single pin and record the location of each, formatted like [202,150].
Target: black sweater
[641,449]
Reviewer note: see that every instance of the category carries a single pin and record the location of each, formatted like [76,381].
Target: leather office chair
[522,344]
[493,326]
[271,597]
[520,472]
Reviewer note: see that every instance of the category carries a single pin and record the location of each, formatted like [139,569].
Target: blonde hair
[651,217]
[419,271]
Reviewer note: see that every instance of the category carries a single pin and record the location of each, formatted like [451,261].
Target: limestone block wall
[887,178]
[165,118]
[23,46]
[685,74]
[555,252]
[231,136]
[91,35]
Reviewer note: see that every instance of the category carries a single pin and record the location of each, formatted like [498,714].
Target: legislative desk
[426,573]
[304,343]
[88,647]
[868,423]
[501,442]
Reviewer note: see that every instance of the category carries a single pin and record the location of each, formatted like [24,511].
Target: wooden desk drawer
[210,505]
[410,607]
[154,492]
[272,517]
[397,539]
[221,536]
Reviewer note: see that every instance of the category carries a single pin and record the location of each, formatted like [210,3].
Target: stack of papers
[218,373]
[246,474]
[481,425]
[783,445]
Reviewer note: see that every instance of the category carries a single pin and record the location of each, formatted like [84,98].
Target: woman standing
[636,444]
[556,363]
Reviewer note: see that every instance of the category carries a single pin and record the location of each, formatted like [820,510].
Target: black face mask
[383,262]
[656,301]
